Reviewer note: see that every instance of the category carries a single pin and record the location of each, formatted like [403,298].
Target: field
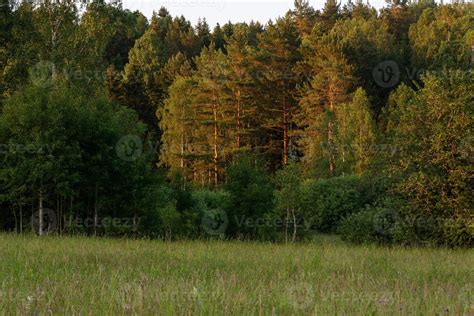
[79,275]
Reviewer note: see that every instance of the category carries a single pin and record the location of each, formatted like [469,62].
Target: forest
[346,120]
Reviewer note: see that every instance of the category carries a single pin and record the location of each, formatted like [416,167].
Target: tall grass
[77,275]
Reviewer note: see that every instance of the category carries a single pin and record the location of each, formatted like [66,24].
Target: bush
[433,160]
[376,223]
[326,202]
[288,195]
[359,227]
[458,232]
[251,199]
[428,230]
[211,208]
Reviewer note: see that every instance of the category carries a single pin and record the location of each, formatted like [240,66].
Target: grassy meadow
[84,276]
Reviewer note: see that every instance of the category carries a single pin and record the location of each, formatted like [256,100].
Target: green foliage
[170,220]
[327,201]
[177,126]
[251,197]
[359,227]
[275,59]
[301,94]
[458,232]
[211,208]
[432,129]
[110,32]
[288,196]
[379,223]
[443,37]
[355,135]
[62,145]
[331,84]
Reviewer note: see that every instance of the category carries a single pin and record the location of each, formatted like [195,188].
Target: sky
[222,11]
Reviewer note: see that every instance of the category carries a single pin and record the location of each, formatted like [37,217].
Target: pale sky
[221,11]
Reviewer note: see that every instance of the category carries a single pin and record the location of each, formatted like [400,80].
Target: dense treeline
[343,120]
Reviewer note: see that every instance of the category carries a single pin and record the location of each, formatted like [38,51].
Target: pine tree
[331,85]
[398,17]
[331,13]
[203,32]
[355,138]
[277,54]
[366,44]
[359,10]
[176,66]
[241,86]
[140,87]
[305,17]
[178,123]
[442,37]
[255,28]
[218,38]
[228,29]
[214,139]
[180,38]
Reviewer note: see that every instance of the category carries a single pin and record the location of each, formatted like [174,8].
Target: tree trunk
[60,217]
[16,220]
[238,118]
[182,150]
[182,140]
[285,135]
[135,223]
[70,213]
[216,149]
[96,211]
[330,134]
[40,213]
[58,209]
[21,219]
[294,224]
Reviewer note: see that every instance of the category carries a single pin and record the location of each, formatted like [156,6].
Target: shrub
[376,223]
[414,229]
[458,232]
[250,192]
[288,196]
[326,202]
[433,160]
[211,208]
[359,227]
